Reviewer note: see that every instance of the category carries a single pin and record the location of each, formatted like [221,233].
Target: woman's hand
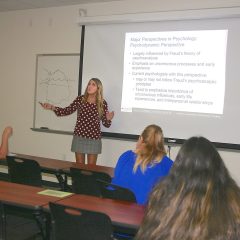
[110,115]
[47,106]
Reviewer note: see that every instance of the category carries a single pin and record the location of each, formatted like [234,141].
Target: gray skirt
[86,145]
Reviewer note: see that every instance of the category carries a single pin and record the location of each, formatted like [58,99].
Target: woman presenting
[91,110]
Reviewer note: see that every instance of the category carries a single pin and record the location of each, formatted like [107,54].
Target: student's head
[95,88]
[198,200]
[199,161]
[150,147]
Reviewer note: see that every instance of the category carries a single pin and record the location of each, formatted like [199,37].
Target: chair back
[24,171]
[85,181]
[109,190]
[74,223]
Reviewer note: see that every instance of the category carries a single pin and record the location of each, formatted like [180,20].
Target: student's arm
[4,144]
[122,161]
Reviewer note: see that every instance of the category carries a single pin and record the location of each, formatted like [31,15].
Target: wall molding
[189,14]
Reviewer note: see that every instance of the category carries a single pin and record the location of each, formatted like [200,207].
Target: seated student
[4,144]
[139,170]
[197,201]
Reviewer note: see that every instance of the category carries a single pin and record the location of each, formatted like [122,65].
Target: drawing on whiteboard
[56,83]
[56,86]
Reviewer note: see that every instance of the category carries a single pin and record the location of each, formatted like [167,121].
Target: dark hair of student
[198,200]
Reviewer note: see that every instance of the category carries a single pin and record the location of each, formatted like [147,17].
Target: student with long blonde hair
[198,200]
[7,132]
[139,170]
[91,109]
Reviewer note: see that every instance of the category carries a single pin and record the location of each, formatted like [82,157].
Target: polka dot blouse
[88,121]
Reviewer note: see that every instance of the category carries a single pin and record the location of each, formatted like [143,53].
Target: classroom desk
[61,168]
[90,167]
[23,195]
[27,198]
[122,213]
[48,165]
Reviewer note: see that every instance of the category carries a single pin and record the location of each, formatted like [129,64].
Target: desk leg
[3,223]
[62,181]
[43,222]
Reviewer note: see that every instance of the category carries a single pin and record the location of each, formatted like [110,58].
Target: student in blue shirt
[141,169]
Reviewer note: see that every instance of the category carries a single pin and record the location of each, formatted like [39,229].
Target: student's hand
[110,115]
[47,106]
[8,131]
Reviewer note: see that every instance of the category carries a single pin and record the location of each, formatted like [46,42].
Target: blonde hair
[152,149]
[99,95]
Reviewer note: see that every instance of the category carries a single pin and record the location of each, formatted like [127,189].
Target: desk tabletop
[55,165]
[122,213]
[91,167]
[23,195]
[48,163]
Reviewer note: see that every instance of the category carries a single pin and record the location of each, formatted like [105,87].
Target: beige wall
[23,34]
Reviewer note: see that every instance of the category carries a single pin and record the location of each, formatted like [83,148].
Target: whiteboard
[57,81]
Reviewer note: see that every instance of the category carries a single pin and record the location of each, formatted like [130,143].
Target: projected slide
[175,71]
[181,75]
